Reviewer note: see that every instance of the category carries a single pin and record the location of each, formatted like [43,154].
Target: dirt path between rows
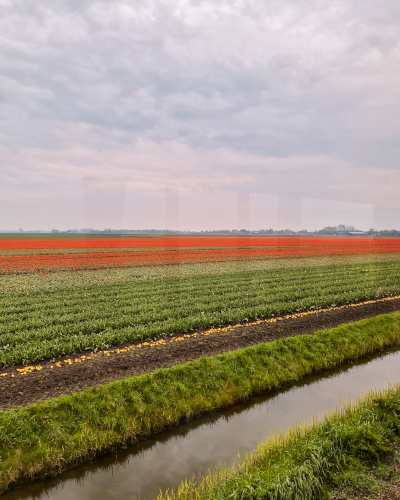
[48,383]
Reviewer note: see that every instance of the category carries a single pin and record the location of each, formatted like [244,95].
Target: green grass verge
[46,324]
[311,462]
[48,436]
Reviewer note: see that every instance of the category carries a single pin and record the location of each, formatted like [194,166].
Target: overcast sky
[199,115]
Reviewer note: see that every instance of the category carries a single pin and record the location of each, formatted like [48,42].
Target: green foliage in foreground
[308,462]
[50,435]
[45,324]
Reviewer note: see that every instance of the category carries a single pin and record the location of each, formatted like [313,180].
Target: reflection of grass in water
[342,452]
[45,437]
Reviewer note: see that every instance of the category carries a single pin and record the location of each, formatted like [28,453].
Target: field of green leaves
[42,324]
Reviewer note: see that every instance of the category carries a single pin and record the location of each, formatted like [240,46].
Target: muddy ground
[49,383]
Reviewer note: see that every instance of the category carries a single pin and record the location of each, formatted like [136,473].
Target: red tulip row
[74,262]
[194,241]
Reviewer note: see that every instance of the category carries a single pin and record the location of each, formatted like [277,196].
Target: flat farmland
[83,313]
[173,290]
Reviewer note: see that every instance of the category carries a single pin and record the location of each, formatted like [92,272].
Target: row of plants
[313,461]
[84,261]
[162,241]
[42,325]
[15,252]
[12,283]
[46,437]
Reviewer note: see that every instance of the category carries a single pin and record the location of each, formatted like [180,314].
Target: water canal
[194,447]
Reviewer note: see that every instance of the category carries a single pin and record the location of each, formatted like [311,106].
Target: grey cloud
[164,72]
[267,79]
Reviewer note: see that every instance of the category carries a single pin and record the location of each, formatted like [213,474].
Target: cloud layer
[293,99]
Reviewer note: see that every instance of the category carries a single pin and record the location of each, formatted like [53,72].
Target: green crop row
[45,324]
[53,434]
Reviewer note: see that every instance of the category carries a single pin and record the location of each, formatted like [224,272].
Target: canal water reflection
[194,447]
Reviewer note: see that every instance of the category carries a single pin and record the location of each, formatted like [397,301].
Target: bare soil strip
[49,383]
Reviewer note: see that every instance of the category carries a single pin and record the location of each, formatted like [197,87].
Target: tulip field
[46,242]
[127,330]
[49,307]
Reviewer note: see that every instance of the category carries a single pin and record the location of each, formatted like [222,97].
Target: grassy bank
[311,462]
[44,438]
